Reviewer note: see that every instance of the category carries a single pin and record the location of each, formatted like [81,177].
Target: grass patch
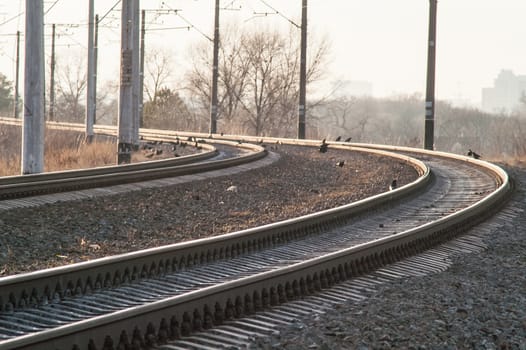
[63,150]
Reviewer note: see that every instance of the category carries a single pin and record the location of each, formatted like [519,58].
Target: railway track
[219,155]
[147,297]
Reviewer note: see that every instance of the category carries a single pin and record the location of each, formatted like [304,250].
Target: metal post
[17,74]
[90,96]
[33,124]
[302,108]
[136,81]
[215,73]
[52,76]
[141,70]
[430,86]
[124,147]
[95,61]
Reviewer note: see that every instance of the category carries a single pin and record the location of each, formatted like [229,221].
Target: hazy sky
[380,41]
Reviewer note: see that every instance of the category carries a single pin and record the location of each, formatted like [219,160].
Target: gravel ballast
[478,303]
[302,181]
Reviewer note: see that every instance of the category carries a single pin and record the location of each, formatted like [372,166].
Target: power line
[49,9]
[197,29]
[167,28]
[111,9]
[188,22]
[279,14]
[21,13]
[12,18]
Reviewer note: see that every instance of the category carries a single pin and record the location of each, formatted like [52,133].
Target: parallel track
[232,154]
[166,292]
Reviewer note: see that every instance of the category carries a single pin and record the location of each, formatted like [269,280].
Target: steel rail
[184,313]
[20,289]
[307,276]
[19,186]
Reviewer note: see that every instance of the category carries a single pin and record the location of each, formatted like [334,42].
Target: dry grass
[63,150]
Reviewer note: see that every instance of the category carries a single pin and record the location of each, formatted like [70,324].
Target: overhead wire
[189,23]
[111,9]
[12,18]
[49,9]
[280,14]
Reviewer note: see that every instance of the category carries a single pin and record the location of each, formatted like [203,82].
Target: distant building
[505,95]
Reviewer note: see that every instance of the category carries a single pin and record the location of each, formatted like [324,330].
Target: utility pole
[33,124]
[141,70]
[215,73]
[302,108]
[90,95]
[430,86]
[17,74]
[127,77]
[52,77]
[95,61]
[136,81]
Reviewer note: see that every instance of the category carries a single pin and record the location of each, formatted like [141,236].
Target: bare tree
[157,72]
[107,103]
[71,86]
[233,68]
[259,80]
[167,111]
[6,95]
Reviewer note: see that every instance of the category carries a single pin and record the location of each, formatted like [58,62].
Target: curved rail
[184,312]
[19,186]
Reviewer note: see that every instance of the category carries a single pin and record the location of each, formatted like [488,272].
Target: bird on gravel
[324,146]
[348,139]
[393,185]
[473,154]
[340,163]
[338,138]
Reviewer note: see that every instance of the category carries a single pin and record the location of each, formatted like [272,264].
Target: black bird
[338,138]
[348,139]
[340,163]
[158,151]
[393,185]
[473,154]
[324,146]
[189,138]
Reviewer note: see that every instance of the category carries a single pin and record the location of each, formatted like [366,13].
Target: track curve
[333,245]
